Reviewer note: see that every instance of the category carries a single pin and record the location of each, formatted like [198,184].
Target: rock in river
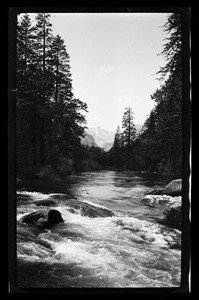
[43,218]
[173,216]
[174,188]
[45,203]
[88,210]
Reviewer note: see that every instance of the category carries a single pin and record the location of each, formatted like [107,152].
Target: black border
[186,118]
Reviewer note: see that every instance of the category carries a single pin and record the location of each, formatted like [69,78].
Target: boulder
[34,217]
[45,203]
[174,188]
[173,216]
[93,211]
[54,217]
[86,209]
[44,219]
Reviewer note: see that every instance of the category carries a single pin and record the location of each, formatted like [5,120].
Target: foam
[34,195]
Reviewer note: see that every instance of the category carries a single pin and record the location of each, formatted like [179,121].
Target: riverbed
[126,248]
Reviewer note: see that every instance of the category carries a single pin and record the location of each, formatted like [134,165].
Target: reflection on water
[92,248]
[120,191]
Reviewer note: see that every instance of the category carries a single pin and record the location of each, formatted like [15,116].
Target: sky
[114,60]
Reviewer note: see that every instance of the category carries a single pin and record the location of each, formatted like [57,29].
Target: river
[109,237]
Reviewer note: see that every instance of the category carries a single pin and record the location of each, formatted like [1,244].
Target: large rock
[45,203]
[43,218]
[86,209]
[173,216]
[174,188]
[93,211]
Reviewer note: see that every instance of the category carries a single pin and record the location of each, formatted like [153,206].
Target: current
[109,237]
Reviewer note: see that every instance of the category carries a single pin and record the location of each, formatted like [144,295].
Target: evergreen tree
[118,139]
[163,129]
[173,47]
[49,119]
[43,40]
[25,33]
[25,96]
[129,130]
[116,153]
[61,69]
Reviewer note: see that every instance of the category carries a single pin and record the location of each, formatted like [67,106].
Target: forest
[51,121]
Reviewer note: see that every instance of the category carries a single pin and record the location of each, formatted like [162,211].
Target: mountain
[138,128]
[88,140]
[99,137]
[102,137]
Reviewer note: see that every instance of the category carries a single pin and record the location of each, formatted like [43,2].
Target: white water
[118,251]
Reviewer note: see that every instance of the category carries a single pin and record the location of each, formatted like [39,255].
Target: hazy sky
[113,58]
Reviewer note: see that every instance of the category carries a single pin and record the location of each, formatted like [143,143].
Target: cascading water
[109,238]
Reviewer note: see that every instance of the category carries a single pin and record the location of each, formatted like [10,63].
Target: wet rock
[155,192]
[43,218]
[173,216]
[174,188]
[86,209]
[54,217]
[93,212]
[34,217]
[45,203]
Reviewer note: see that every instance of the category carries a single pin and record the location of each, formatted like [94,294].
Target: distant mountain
[88,140]
[102,137]
[138,128]
[99,137]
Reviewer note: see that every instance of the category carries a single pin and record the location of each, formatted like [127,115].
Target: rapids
[109,238]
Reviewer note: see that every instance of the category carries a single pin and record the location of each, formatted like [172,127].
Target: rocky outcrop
[174,188]
[43,218]
[170,200]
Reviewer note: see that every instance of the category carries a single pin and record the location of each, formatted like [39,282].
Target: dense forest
[51,121]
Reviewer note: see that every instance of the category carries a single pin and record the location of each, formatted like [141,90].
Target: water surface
[128,249]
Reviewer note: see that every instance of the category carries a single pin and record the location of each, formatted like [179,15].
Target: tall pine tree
[129,130]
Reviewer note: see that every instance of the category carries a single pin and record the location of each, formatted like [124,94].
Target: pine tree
[129,130]
[49,118]
[173,47]
[25,96]
[24,45]
[162,136]
[61,69]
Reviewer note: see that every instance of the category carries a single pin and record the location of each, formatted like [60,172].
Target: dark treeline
[51,121]
[158,148]
[49,118]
